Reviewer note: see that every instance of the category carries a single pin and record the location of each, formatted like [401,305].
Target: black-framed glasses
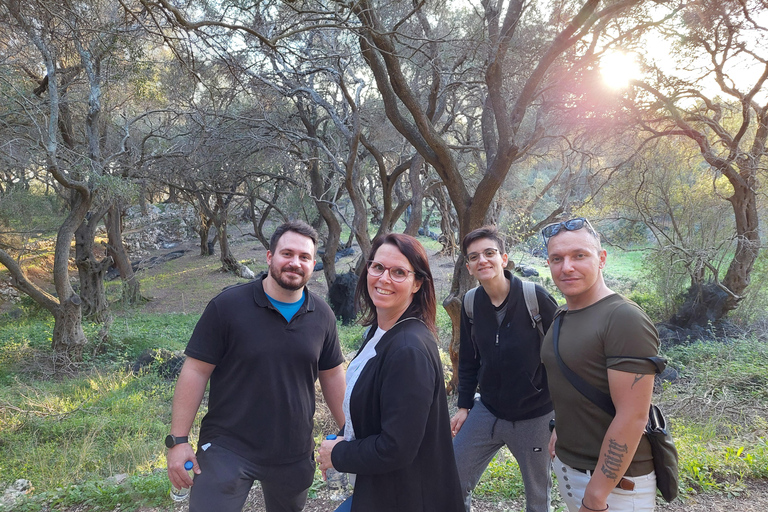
[487,253]
[397,274]
[576,224]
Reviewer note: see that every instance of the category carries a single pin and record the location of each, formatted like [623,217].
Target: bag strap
[469,303]
[532,303]
[594,395]
[597,397]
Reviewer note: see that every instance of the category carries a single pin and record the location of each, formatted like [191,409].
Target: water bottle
[183,493]
[337,482]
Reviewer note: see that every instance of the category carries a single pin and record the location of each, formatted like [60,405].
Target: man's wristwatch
[171,440]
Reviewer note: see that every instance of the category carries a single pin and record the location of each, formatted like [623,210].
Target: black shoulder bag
[665,456]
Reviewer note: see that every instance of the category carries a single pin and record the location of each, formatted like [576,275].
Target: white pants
[573,482]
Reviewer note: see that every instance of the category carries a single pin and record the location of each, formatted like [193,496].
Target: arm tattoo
[613,459]
[638,378]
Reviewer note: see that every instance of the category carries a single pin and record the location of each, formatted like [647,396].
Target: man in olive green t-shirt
[600,460]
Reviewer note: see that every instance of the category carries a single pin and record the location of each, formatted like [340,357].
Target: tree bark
[204,231]
[417,198]
[131,293]
[90,270]
[228,261]
[68,338]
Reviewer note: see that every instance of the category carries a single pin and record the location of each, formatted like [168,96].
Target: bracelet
[594,509]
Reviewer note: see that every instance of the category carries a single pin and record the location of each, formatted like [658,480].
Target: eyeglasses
[551,230]
[487,253]
[397,274]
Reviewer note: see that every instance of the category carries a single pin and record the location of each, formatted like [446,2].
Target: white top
[354,370]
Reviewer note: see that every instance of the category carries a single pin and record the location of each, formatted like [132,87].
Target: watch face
[170,442]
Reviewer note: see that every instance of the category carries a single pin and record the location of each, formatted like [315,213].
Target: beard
[287,282]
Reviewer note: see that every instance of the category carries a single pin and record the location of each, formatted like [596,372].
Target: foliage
[676,203]
[713,464]
[719,413]
[30,209]
[67,436]
[724,369]
[350,337]
[131,335]
[501,479]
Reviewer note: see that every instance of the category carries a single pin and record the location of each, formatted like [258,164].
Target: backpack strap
[469,307]
[532,303]
[469,303]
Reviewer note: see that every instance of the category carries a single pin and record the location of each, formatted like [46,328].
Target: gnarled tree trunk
[116,250]
[90,270]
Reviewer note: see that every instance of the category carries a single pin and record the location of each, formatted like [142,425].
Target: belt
[625,483]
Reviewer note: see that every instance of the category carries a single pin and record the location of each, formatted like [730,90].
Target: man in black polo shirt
[262,345]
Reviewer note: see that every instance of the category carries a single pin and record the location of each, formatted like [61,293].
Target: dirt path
[753,499]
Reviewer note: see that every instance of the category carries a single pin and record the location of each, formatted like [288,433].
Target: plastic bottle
[337,482]
[183,493]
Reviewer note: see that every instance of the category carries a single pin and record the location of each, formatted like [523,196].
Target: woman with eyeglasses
[397,438]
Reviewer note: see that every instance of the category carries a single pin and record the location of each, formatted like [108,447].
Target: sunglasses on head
[551,230]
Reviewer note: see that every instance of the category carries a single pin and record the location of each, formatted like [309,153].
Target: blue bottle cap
[331,437]
[188,465]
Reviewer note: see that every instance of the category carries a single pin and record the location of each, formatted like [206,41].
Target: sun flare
[618,68]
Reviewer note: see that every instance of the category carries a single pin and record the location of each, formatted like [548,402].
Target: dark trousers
[226,478]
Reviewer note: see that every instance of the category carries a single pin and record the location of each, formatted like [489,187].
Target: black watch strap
[171,440]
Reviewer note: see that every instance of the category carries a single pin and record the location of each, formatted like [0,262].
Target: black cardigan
[403,454]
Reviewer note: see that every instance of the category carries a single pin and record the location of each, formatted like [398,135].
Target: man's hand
[176,458]
[458,420]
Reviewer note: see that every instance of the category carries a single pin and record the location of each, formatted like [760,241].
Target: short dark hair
[489,232]
[424,305]
[297,226]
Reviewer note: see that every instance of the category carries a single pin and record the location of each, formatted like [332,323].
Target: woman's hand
[324,454]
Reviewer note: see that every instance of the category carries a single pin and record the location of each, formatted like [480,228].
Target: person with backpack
[502,324]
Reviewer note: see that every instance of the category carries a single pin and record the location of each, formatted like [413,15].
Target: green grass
[501,479]
[350,337]
[67,437]
[131,335]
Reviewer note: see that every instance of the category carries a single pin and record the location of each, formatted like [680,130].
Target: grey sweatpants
[483,434]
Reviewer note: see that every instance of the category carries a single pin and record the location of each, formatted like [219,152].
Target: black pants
[226,479]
